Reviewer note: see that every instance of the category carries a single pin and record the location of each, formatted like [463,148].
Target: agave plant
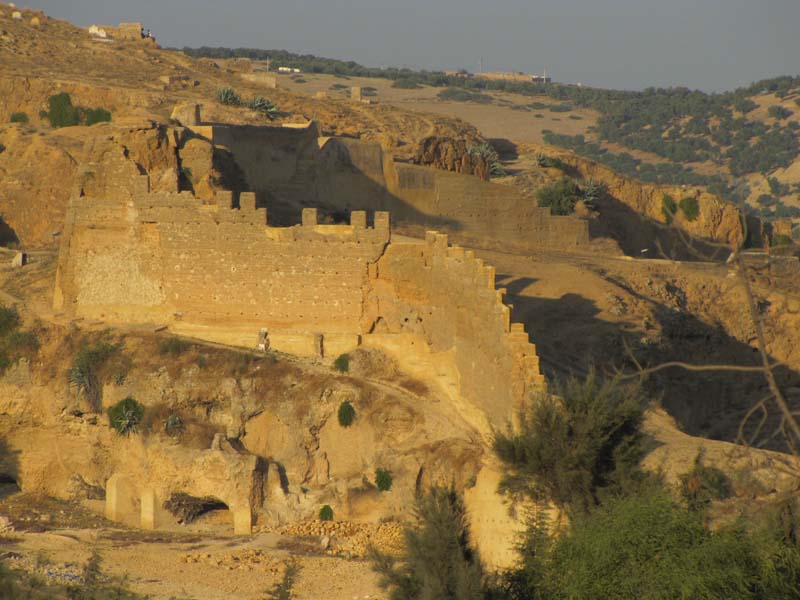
[228,96]
[592,191]
[264,106]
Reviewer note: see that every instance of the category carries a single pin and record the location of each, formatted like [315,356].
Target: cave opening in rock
[187,509]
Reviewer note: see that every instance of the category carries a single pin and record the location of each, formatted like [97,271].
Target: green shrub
[23,341]
[571,450]
[643,547]
[560,197]
[347,414]
[9,320]
[560,108]
[703,484]
[462,95]
[780,239]
[338,86]
[549,162]
[19,117]
[60,112]
[383,480]
[228,96]
[668,207]
[264,106]
[437,561]
[173,345]
[490,155]
[576,117]
[96,115]
[326,513]
[126,415]
[779,112]
[406,83]
[690,208]
[342,363]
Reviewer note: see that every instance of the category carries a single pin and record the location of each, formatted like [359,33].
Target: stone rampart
[447,295]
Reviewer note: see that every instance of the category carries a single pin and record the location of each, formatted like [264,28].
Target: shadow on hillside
[7,234]
[336,187]
[9,468]
[570,336]
[640,236]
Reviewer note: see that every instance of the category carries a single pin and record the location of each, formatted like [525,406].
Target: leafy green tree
[560,197]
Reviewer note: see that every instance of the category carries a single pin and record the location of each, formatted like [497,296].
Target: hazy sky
[706,44]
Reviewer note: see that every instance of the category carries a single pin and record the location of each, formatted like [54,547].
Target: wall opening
[188,509]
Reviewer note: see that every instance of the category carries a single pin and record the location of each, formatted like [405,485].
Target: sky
[713,45]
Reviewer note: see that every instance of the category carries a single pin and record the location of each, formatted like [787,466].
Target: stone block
[186,113]
[16,15]
[309,217]
[20,260]
[358,219]
[381,220]
[119,498]
[247,201]
[355,94]
[242,521]
[224,199]
[148,510]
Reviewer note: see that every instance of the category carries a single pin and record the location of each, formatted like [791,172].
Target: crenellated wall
[219,272]
[447,295]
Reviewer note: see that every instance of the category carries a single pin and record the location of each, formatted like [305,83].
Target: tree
[572,447]
[438,562]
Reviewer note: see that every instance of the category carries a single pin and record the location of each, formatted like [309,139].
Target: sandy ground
[496,120]
[204,562]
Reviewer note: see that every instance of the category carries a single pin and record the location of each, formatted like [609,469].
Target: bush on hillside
[668,207]
[572,447]
[173,345]
[342,363]
[19,117]
[326,513]
[689,207]
[60,111]
[126,415]
[406,83]
[87,366]
[560,197]
[779,112]
[346,414]
[462,95]
[383,480]
[96,115]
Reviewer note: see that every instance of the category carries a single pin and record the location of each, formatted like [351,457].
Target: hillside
[742,144]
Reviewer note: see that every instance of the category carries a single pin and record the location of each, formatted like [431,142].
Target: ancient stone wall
[449,296]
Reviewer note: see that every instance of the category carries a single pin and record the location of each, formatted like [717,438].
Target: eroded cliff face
[718,220]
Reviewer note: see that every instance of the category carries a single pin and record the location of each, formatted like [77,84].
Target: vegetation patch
[61,112]
[489,154]
[383,480]
[704,484]
[406,83]
[19,117]
[342,363]
[173,346]
[326,513]
[562,196]
[462,95]
[14,342]
[126,415]
[94,363]
[346,414]
[690,208]
[668,207]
